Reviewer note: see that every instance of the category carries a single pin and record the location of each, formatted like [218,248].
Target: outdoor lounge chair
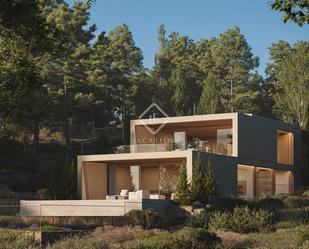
[124,194]
[139,195]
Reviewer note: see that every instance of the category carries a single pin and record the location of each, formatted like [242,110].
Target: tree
[290,76]
[198,192]
[183,188]
[209,98]
[126,62]
[62,184]
[234,62]
[294,10]
[174,73]
[65,71]
[21,88]
[179,96]
[99,78]
[210,184]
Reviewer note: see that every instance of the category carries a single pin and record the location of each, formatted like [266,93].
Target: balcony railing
[203,146]
[138,148]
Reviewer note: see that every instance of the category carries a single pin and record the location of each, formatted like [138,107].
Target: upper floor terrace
[206,133]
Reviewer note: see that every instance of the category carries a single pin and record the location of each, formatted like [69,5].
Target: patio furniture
[157,197]
[139,195]
[124,195]
[124,192]
[111,197]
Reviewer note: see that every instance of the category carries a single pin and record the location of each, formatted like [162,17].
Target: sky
[197,19]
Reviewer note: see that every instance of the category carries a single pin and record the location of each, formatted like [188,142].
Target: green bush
[296,202]
[149,219]
[243,220]
[146,218]
[286,224]
[299,215]
[186,238]
[226,204]
[282,196]
[167,223]
[268,203]
[15,240]
[301,236]
[199,220]
[306,194]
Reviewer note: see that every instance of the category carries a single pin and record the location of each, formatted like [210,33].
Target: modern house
[252,156]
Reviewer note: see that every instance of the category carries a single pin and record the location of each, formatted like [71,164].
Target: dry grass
[295,238]
[119,237]
[230,240]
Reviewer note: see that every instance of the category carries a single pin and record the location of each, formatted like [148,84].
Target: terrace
[213,136]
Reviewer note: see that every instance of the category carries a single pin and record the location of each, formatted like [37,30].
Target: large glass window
[224,141]
[264,182]
[285,142]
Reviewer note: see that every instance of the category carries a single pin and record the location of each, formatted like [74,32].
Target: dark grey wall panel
[225,170]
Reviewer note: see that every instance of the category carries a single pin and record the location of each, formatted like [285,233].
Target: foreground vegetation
[225,223]
[185,238]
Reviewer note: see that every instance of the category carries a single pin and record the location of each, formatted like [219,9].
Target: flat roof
[136,156]
[183,119]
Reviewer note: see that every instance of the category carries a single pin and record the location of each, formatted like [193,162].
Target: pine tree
[178,98]
[183,188]
[209,98]
[210,184]
[197,188]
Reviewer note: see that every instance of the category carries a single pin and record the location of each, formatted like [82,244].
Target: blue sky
[197,19]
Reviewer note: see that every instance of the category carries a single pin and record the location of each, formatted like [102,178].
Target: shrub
[185,238]
[296,202]
[282,196]
[199,220]
[146,218]
[149,219]
[298,215]
[15,240]
[268,203]
[286,224]
[226,204]
[167,223]
[80,243]
[306,193]
[301,236]
[243,220]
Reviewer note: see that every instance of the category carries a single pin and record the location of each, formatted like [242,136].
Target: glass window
[224,141]
[285,147]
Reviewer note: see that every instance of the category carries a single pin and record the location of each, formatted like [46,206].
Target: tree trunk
[36,140]
[25,142]
[66,121]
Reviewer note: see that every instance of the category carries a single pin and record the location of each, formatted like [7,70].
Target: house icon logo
[150,117]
